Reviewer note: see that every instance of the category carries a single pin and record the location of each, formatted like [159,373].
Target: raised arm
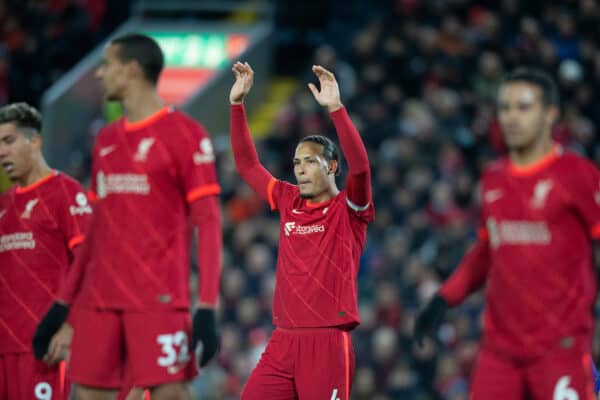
[358,184]
[244,152]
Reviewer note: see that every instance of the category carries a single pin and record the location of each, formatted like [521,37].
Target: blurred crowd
[419,80]
[41,39]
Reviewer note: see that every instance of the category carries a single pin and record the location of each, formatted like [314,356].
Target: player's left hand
[59,345]
[205,339]
[430,318]
[329,96]
[49,326]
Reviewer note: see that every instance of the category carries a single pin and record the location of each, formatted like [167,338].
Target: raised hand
[244,79]
[329,96]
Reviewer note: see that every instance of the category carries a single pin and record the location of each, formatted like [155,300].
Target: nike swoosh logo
[106,150]
[297,212]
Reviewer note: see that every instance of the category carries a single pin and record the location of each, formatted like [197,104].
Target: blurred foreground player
[153,173]
[42,220]
[322,235]
[540,212]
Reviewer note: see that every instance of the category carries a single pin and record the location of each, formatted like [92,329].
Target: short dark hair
[330,151]
[539,78]
[144,50]
[22,115]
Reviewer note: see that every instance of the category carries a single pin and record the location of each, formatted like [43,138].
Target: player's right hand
[47,328]
[430,318]
[244,79]
[205,339]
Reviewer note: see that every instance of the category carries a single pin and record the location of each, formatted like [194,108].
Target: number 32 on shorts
[562,391]
[174,349]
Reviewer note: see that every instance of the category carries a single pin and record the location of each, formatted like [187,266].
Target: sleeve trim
[203,191]
[355,207]
[270,187]
[75,241]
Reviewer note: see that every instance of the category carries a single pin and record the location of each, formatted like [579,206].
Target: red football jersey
[144,175]
[539,222]
[319,255]
[39,226]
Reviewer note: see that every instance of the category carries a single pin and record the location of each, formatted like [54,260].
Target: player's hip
[526,349]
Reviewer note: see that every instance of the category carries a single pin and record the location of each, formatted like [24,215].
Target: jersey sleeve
[483,234]
[246,157]
[358,186]
[93,189]
[470,275]
[365,213]
[195,161]
[472,271]
[74,213]
[586,195]
[280,194]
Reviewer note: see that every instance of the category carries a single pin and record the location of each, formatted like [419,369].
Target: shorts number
[562,391]
[171,343]
[43,391]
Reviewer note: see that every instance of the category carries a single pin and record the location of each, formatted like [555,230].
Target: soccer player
[42,220]
[153,173]
[540,212]
[322,235]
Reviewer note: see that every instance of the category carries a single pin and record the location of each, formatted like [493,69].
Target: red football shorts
[113,349]
[562,374]
[303,364]
[22,377]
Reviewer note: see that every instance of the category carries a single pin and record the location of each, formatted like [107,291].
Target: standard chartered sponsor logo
[121,184]
[290,228]
[206,154]
[518,232]
[17,241]
[82,205]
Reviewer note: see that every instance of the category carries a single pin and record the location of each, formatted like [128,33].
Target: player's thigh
[97,350]
[27,378]
[90,393]
[158,348]
[171,391]
[273,376]
[495,378]
[265,382]
[325,366]
[562,375]
[133,393]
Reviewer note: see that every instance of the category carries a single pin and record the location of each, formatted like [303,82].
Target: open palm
[329,95]
[244,79]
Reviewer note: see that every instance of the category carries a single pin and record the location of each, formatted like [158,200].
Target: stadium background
[418,78]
